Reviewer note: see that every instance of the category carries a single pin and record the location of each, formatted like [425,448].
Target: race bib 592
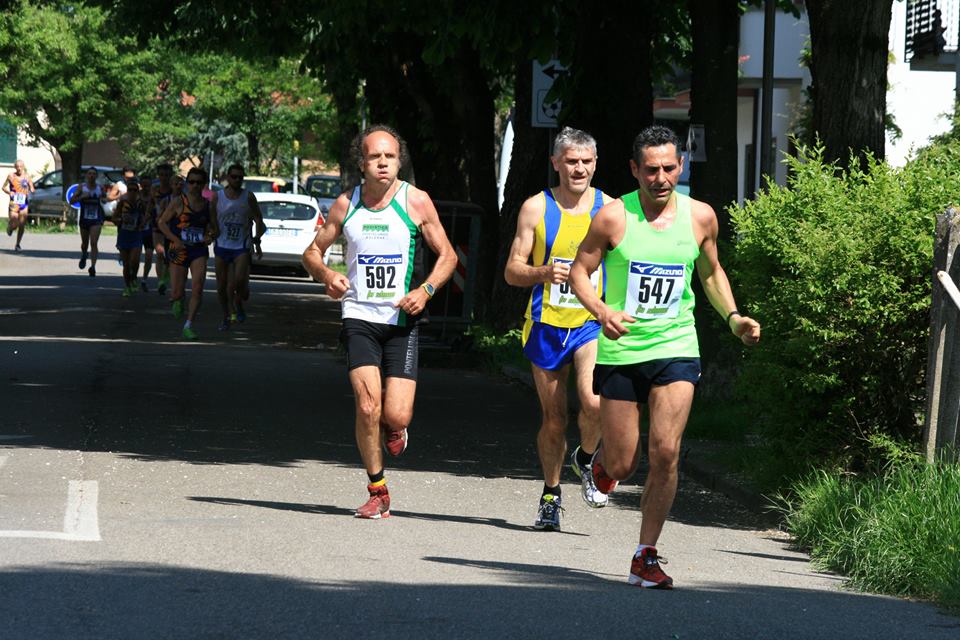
[380,277]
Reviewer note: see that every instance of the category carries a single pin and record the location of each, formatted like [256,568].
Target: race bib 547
[654,290]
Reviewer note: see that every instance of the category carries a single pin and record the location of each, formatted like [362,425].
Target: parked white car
[292,222]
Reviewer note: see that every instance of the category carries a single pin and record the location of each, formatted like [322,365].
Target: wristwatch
[429,288]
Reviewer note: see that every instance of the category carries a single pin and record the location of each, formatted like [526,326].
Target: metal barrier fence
[943,364]
[452,306]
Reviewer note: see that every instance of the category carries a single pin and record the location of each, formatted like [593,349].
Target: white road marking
[3,461]
[80,520]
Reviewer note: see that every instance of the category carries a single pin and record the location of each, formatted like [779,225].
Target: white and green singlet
[384,259]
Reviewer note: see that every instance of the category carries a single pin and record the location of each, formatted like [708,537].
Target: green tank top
[648,276]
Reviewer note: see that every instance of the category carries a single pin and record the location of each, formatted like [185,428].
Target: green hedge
[836,266]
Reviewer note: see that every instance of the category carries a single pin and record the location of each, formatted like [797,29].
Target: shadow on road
[118,600]
[85,369]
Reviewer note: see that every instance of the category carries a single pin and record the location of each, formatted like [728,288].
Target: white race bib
[128,221]
[192,235]
[20,198]
[91,210]
[234,231]
[380,278]
[654,290]
[562,296]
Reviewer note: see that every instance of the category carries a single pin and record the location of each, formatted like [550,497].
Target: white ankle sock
[640,548]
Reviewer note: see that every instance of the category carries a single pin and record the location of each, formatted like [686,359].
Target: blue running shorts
[552,348]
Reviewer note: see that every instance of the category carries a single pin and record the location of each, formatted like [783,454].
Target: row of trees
[76,73]
[445,73]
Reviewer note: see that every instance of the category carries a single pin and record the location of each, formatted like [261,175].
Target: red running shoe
[604,483]
[378,506]
[645,571]
[395,442]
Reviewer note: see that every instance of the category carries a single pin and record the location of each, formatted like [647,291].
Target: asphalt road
[151,488]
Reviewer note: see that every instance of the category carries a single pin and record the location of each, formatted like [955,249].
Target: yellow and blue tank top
[556,239]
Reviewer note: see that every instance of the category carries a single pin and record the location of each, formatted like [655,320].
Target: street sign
[544,112]
[70,191]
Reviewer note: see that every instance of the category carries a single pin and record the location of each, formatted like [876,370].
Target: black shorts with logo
[632,382]
[394,349]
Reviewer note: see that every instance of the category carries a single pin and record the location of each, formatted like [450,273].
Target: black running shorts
[632,382]
[394,349]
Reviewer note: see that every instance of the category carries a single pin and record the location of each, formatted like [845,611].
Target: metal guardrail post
[943,364]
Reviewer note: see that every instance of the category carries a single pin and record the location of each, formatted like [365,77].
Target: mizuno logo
[375,259]
[651,269]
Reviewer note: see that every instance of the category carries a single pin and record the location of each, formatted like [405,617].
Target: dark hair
[356,147]
[197,170]
[654,136]
[236,166]
[165,166]
[127,169]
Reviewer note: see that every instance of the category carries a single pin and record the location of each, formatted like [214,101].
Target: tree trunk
[715,28]
[527,170]
[848,67]
[611,46]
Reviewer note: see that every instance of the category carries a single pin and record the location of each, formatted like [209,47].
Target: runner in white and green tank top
[384,293]
[650,241]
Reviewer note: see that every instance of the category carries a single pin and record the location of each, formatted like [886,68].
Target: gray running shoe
[548,517]
[588,488]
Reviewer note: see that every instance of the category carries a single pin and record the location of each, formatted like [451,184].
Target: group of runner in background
[169,221]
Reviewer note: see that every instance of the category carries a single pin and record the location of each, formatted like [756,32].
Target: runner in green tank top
[650,241]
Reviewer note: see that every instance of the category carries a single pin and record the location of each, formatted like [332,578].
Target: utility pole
[767,167]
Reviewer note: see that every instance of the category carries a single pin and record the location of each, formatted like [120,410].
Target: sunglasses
[194,181]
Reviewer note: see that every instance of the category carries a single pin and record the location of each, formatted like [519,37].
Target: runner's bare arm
[261,226]
[424,213]
[606,230]
[714,279]
[336,283]
[519,272]
[77,194]
[163,222]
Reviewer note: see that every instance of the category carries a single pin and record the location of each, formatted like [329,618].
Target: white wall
[917,99]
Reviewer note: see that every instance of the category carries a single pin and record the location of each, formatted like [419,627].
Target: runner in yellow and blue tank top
[558,331]
[384,295]
[650,241]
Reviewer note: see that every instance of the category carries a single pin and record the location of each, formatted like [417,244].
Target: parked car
[48,199]
[291,221]
[325,189]
[267,184]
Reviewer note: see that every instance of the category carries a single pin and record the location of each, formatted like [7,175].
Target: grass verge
[895,532]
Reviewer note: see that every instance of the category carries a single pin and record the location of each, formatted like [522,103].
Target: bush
[836,266]
[896,532]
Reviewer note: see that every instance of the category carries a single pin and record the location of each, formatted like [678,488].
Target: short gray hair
[570,137]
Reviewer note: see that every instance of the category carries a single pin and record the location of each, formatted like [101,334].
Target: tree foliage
[65,80]
[836,267]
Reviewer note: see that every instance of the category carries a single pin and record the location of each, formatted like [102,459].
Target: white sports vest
[384,259]
[233,218]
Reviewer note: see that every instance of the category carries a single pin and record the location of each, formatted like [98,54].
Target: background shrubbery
[836,266]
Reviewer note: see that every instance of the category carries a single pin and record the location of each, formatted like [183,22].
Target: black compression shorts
[394,349]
